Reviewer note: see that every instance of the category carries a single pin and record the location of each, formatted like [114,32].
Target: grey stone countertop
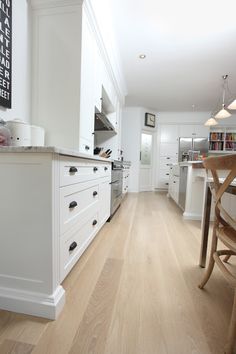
[50,149]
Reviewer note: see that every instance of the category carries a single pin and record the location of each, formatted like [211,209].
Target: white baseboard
[192,216]
[32,303]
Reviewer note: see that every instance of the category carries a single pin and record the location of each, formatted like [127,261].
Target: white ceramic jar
[20,133]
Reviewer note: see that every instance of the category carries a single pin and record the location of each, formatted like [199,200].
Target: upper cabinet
[87,88]
[193,130]
[97,77]
[72,77]
[169,133]
[56,69]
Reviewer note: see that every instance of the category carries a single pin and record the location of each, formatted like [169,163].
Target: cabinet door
[105,201]
[108,91]
[169,133]
[87,93]
[193,130]
[169,150]
[201,131]
[97,77]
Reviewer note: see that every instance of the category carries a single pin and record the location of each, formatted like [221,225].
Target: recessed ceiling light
[142,56]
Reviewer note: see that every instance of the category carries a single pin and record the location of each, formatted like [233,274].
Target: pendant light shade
[211,121]
[232,105]
[223,113]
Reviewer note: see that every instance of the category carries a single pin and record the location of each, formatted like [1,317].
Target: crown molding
[117,78]
[44,4]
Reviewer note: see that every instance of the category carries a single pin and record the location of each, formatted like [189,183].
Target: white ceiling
[189,45]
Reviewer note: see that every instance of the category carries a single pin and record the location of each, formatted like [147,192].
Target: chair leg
[227,258]
[211,260]
[229,348]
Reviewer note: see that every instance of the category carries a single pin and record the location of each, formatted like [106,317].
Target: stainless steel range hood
[102,123]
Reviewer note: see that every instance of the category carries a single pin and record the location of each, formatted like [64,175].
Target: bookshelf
[222,140]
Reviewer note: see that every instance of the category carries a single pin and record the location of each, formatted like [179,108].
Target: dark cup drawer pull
[73,205]
[73,169]
[73,246]
[95,222]
[105,168]
[167,184]
[87,147]
[95,193]
[167,174]
[168,158]
[95,169]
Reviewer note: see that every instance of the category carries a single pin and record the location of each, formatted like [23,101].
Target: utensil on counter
[105,154]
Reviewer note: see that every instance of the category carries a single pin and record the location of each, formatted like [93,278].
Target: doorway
[146,162]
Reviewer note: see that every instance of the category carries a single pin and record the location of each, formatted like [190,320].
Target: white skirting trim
[192,216]
[32,303]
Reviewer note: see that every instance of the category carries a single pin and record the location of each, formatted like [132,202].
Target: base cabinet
[173,189]
[125,186]
[52,206]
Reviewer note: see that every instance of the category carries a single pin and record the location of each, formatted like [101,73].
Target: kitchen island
[186,188]
[53,203]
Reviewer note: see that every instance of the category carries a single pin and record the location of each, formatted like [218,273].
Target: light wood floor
[134,291]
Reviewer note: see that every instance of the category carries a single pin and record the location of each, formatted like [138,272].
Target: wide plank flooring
[134,291]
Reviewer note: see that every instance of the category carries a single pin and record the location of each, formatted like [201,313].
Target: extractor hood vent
[102,123]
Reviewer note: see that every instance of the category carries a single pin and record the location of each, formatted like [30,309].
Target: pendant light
[232,105]
[223,113]
[211,121]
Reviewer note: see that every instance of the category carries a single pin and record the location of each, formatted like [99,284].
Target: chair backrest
[219,187]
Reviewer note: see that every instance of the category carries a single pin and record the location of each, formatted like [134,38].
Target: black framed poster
[5,53]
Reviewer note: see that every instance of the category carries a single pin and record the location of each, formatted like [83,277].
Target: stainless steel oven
[116,185]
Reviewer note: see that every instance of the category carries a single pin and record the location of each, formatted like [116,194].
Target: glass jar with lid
[5,134]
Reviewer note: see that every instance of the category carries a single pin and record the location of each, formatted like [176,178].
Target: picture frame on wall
[150,120]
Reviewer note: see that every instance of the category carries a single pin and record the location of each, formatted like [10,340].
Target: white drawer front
[168,160]
[77,170]
[165,165]
[164,174]
[74,204]
[74,243]
[163,183]
[105,170]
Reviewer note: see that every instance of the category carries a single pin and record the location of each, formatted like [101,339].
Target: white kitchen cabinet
[169,149]
[97,77]
[71,73]
[87,104]
[126,173]
[169,133]
[56,69]
[59,203]
[193,131]
[173,188]
[168,154]
[105,200]
[201,131]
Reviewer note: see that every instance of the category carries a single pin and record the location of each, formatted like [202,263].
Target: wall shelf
[222,140]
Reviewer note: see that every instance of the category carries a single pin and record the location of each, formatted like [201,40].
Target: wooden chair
[225,230]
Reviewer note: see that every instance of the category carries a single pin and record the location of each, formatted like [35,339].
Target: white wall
[133,119]
[20,63]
